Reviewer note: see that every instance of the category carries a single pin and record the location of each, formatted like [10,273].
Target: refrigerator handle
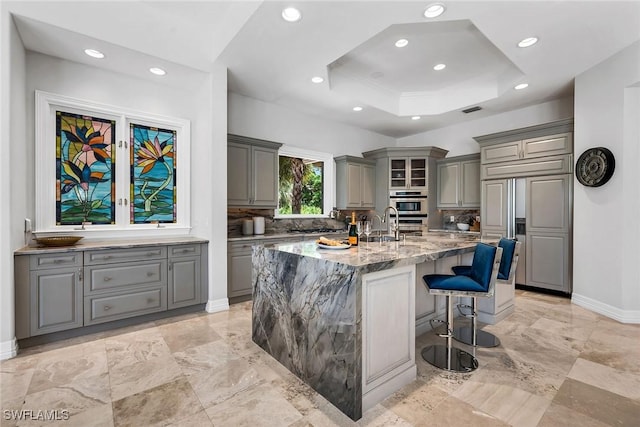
[511,208]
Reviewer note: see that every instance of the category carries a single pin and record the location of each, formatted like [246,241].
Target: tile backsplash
[280,225]
[465,216]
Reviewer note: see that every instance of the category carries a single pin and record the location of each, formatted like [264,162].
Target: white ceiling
[346,42]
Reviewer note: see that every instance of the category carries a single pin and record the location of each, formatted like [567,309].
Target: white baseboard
[216,305]
[492,319]
[386,389]
[8,349]
[615,313]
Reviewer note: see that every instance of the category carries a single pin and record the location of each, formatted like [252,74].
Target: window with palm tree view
[301,190]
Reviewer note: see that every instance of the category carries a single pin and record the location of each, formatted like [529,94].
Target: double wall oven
[412,209]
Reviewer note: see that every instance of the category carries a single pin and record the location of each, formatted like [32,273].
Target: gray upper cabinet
[252,172]
[355,182]
[408,173]
[531,148]
[459,182]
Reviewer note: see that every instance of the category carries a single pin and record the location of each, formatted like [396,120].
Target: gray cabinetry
[64,290]
[185,276]
[493,212]
[459,182]
[550,145]
[408,173]
[355,182]
[55,293]
[252,172]
[239,268]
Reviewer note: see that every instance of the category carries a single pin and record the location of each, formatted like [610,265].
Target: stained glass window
[152,174]
[85,161]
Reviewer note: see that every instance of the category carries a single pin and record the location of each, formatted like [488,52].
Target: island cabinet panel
[388,333]
[60,289]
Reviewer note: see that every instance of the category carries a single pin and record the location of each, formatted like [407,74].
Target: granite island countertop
[373,255]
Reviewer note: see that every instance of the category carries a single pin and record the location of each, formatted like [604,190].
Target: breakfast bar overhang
[343,321]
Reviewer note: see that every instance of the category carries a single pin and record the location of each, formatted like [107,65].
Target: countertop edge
[109,244]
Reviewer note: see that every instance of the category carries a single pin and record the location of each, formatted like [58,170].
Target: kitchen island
[343,321]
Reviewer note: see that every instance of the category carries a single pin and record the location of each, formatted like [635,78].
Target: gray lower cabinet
[66,290]
[185,278]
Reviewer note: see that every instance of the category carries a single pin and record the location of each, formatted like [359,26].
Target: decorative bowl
[463,226]
[58,240]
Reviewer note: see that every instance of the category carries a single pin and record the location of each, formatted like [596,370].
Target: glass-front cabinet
[408,172]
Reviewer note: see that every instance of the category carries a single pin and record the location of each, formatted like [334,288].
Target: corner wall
[12,136]
[606,230]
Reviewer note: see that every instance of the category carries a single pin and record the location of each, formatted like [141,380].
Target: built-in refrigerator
[537,211]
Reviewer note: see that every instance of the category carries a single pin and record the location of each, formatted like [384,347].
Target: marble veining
[94,244]
[307,306]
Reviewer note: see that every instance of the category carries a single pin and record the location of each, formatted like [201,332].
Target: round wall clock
[595,167]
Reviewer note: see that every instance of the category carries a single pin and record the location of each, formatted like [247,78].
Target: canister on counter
[247,227]
[258,225]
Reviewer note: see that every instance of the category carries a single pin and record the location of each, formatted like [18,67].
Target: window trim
[45,152]
[328,185]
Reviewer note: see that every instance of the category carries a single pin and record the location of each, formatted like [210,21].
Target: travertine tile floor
[558,365]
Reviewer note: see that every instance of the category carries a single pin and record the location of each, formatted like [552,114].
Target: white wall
[458,139]
[606,230]
[258,119]
[12,117]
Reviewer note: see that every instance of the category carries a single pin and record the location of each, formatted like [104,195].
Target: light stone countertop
[96,244]
[413,250]
[283,235]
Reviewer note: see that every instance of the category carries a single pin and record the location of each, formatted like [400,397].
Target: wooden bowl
[58,240]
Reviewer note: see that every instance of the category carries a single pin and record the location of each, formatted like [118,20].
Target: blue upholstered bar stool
[506,275]
[481,280]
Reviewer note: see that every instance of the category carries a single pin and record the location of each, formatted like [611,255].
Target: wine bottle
[353,231]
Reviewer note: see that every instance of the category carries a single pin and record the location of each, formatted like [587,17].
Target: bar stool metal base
[483,338]
[449,358]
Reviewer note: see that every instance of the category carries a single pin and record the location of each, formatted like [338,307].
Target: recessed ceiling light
[402,43]
[94,53]
[439,67]
[529,41]
[434,10]
[317,79]
[157,71]
[416,118]
[291,14]
[357,108]
[521,86]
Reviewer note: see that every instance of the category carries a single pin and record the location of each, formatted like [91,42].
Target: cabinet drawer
[244,246]
[184,250]
[57,260]
[99,309]
[119,255]
[111,277]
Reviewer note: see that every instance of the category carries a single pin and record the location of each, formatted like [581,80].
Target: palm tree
[292,173]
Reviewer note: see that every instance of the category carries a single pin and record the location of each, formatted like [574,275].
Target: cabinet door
[368,187]
[548,261]
[354,185]
[56,300]
[548,203]
[504,152]
[265,177]
[398,173]
[418,171]
[448,176]
[470,184]
[494,205]
[184,282]
[547,146]
[239,269]
[238,174]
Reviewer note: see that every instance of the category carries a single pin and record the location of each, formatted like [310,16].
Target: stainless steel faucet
[397,226]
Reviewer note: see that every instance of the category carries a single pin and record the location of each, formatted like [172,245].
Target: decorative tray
[58,240]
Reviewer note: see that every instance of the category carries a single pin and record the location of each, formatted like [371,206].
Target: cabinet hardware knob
[150,253]
[80,274]
[106,257]
[106,308]
[150,300]
[57,261]
[106,278]
[150,273]
[170,266]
